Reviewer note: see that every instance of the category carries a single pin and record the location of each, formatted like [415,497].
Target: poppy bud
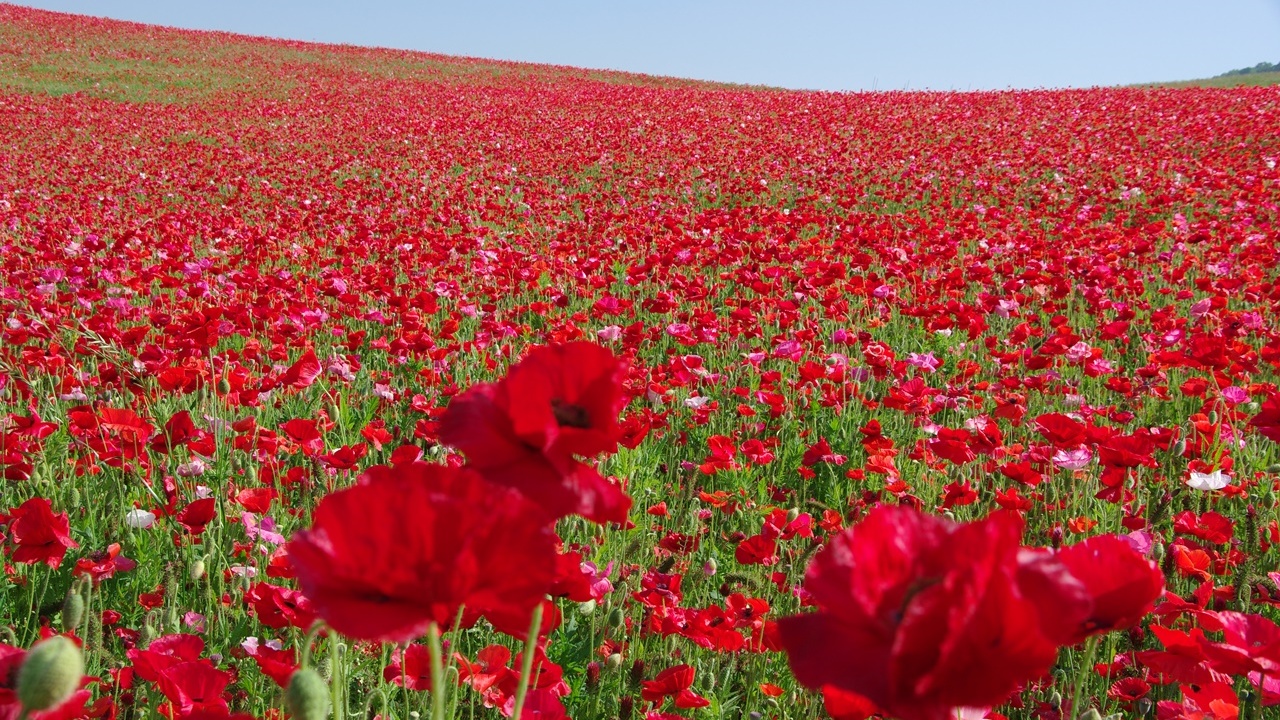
[332,410]
[224,386]
[710,568]
[1091,714]
[1213,416]
[1273,468]
[792,514]
[1180,448]
[949,515]
[1157,551]
[49,675]
[587,608]
[593,674]
[148,634]
[1055,700]
[72,611]
[1144,707]
[197,569]
[614,661]
[616,617]
[307,697]
[75,497]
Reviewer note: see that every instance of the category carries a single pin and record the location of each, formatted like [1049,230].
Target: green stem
[526,662]
[305,656]
[437,672]
[1090,650]
[338,681]
[1257,701]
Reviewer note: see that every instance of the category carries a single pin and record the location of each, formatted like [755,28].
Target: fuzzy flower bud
[307,697]
[50,674]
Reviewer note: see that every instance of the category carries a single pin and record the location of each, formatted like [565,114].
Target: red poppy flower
[1251,644]
[411,669]
[674,682]
[1122,584]
[279,665]
[920,615]
[1267,421]
[489,669]
[102,565]
[410,544]
[280,607]
[525,431]
[163,653]
[199,513]
[193,687]
[41,536]
[1064,432]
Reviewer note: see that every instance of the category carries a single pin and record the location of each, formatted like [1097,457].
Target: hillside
[58,53]
[1259,75]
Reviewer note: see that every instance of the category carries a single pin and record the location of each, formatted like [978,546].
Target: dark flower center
[568,415]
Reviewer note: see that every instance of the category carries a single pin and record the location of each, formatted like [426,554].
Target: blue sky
[851,45]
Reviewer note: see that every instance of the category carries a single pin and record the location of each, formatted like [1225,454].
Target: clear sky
[831,45]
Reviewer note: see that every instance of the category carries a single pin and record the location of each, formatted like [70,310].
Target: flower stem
[312,632]
[1090,650]
[338,678]
[526,662]
[437,672]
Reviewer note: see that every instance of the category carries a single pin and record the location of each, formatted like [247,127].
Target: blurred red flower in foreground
[525,431]
[921,615]
[411,544]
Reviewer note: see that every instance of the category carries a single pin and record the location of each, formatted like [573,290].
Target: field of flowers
[591,395]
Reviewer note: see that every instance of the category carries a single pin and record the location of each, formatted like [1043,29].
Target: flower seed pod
[50,673]
[616,617]
[307,697]
[197,569]
[72,611]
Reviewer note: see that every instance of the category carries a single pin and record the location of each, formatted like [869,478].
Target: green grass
[1227,81]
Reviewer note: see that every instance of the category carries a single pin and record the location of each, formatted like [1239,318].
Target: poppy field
[354,383]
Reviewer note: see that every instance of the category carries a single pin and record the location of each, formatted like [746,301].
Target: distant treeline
[1261,67]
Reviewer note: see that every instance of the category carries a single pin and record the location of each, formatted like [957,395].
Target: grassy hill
[1259,75]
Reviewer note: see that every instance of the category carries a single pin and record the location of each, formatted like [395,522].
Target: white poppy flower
[139,519]
[1215,480]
